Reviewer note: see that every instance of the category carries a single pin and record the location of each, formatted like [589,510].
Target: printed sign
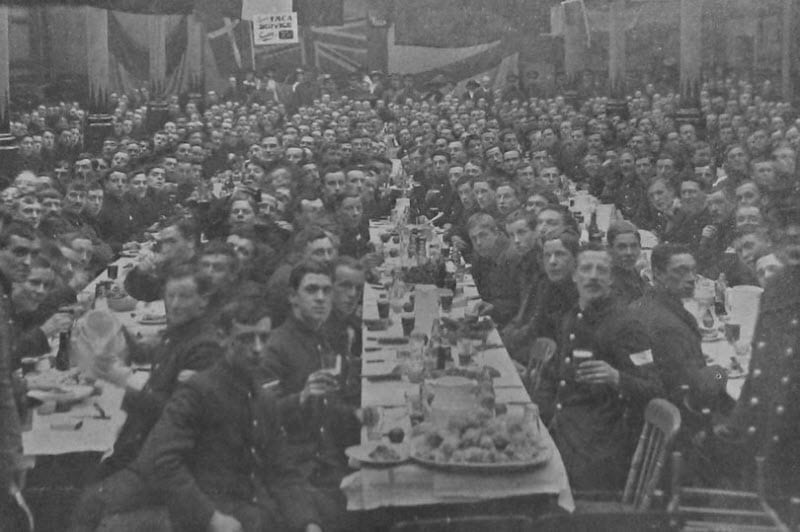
[275,28]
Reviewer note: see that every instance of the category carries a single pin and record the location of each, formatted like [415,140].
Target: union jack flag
[331,49]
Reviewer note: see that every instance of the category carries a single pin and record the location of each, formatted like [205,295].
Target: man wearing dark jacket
[17,246]
[766,418]
[219,455]
[190,344]
[624,244]
[595,389]
[318,422]
[718,235]
[113,222]
[176,246]
[494,264]
[676,338]
[521,228]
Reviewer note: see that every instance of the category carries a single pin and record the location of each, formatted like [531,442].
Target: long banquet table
[48,435]
[410,484]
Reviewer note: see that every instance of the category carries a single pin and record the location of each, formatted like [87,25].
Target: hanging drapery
[690,43]
[97,54]
[154,7]
[575,38]
[617,36]
[5,60]
[132,51]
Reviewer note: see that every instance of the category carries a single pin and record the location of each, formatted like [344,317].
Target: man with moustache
[595,388]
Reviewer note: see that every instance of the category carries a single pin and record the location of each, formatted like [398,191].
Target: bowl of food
[121,303]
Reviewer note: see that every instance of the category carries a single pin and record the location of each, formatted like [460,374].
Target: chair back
[477,523]
[541,352]
[698,509]
[662,420]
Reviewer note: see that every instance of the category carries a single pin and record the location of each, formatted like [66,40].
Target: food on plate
[474,327]
[382,453]
[478,438]
[53,379]
[152,316]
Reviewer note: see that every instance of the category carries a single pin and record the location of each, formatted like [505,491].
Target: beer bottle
[62,356]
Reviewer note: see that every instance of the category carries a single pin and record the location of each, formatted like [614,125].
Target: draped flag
[127,42]
[142,7]
[132,58]
[227,34]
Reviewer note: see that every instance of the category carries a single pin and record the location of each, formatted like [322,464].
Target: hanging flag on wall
[228,36]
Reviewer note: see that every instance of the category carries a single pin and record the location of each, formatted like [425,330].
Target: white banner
[275,28]
[252,8]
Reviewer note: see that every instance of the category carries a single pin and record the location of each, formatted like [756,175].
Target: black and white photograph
[399,265]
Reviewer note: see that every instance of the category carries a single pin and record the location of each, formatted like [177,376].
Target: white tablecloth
[413,485]
[47,435]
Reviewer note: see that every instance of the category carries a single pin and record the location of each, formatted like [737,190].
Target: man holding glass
[595,389]
[318,422]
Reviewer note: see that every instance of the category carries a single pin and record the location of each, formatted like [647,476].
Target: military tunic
[596,426]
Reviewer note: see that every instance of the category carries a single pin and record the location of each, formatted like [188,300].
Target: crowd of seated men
[259,210]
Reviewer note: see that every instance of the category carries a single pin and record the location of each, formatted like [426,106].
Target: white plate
[63,394]
[157,320]
[361,453]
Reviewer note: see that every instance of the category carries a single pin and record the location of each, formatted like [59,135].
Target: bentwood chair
[662,421]
[541,352]
[478,523]
[717,510]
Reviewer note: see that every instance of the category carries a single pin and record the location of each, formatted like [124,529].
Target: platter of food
[63,395]
[481,443]
[378,454]
[52,378]
[153,319]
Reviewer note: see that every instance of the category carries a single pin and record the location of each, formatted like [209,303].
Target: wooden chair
[541,352]
[605,522]
[717,510]
[478,523]
[662,420]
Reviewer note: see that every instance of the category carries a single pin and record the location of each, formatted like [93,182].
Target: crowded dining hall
[342,266]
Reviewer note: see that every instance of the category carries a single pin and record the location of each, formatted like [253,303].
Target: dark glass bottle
[62,356]
[595,234]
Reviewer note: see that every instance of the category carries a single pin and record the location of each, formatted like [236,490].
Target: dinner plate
[361,453]
[154,320]
[490,468]
[63,394]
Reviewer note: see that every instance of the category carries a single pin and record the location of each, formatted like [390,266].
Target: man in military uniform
[596,387]
[766,418]
[625,246]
